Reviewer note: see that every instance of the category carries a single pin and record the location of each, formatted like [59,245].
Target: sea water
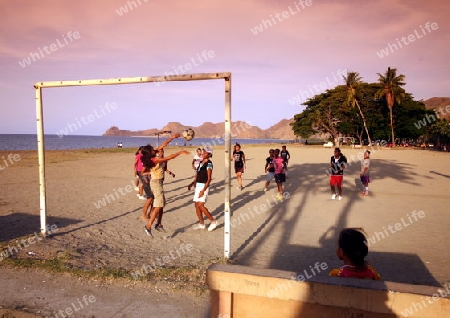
[53,142]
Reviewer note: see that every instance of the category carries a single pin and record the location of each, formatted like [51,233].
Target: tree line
[372,111]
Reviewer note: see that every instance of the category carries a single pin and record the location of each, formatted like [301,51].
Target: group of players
[338,163]
[276,167]
[150,167]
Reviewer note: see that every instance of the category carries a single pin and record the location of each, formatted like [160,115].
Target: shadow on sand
[19,224]
[309,180]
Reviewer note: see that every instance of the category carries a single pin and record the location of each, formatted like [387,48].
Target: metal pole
[134,80]
[227,211]
[41,159]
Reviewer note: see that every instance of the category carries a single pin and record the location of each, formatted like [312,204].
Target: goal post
[135,80]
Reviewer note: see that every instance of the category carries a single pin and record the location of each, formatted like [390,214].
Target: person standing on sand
[364,174]
[197,159]
[269,169]
[286,156]
[137,173]
[202,181]
[239,164]
[152,163]
[280,177]
[338,162]
[145,178]
[160,154]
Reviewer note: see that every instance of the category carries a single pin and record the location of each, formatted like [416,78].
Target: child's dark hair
[353,243]
[339,150]
[140,148]
[147,154]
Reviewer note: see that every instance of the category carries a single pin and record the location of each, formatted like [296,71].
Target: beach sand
[407,246]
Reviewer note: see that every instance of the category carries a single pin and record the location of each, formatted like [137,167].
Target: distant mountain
[282,130]
[239,129]
[438,102]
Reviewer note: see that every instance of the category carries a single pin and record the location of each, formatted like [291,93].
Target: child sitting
[352,250]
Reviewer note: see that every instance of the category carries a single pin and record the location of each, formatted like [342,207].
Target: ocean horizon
[71,142]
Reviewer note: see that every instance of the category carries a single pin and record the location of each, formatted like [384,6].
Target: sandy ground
[406,216]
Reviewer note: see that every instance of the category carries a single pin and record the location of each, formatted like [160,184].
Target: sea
[54,142]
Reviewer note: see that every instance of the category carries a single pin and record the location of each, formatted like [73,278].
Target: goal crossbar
[135,80]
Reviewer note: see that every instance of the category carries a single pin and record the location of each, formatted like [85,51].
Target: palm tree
[352,80]
[393,92]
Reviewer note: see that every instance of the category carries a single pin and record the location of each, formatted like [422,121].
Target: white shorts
[199,187]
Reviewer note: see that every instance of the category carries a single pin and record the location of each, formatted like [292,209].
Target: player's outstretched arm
[165,143]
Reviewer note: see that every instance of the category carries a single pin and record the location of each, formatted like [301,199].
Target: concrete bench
[241,292]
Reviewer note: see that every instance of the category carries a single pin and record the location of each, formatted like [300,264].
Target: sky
[279,53]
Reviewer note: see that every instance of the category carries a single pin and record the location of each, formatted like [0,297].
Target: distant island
[240,129]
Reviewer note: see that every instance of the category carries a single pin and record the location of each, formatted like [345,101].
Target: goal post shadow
[226,76]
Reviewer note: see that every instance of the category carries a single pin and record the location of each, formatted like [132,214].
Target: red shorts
[239,169]
[336,180]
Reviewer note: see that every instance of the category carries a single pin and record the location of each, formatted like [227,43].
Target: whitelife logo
[71,36]
[265,24]
[73,127]
[407,40]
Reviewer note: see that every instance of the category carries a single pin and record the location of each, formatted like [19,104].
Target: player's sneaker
[265,189]
[159,228]
[333,197]
[148,232]
[339,197]
[199,226]
[212,226]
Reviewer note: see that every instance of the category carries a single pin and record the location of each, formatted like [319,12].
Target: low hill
[282,130]
[239,129]
[440,104]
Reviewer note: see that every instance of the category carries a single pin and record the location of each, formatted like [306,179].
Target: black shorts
[365,179]
[148,191]
[144,179]
[239,169]
[280,177]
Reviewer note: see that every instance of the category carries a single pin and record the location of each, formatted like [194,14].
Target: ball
[188,134]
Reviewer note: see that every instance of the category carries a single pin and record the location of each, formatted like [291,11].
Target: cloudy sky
[279,53]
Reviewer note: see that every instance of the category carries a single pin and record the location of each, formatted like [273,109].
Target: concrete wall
[240,292]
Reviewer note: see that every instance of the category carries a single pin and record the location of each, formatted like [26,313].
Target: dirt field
[92,204]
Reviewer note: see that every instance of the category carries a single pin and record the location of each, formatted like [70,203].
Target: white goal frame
[135,80]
